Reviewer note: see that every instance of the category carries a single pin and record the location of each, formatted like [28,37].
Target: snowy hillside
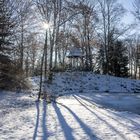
[85,82]
[93,107]
[121,94]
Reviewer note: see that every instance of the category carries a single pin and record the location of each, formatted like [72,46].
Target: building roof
[75,52]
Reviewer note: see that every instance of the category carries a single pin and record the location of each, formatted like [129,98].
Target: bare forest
[36,37]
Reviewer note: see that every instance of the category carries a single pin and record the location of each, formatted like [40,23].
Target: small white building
[75,57]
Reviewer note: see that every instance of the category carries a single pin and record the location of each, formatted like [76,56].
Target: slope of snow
[65,83]
[111,92]
[93,107]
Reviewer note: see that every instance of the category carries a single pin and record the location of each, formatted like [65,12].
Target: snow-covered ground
[86,82]
[81,114]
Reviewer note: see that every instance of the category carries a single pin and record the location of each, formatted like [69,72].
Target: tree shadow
[130,120]
[92,102]
[104,121]
[38,117]
[44,127]
[95,102]
[116,102]
[118,119]
[37,121]
[85,127]
[66,128]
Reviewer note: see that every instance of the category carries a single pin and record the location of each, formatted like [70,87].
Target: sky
[129,18]
[128,5]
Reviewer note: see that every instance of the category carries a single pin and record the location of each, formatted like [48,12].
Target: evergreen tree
[101,64]
[8,69]
[118,59]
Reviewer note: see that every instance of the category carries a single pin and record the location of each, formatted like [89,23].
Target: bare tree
[136,11]
[25,19]
[110,13]
[31,51]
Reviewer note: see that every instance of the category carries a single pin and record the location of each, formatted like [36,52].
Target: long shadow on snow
[44,128]
[37,121]
[66,128]
[85,127]
[111,117]
[117,115]
[128,119]
[118,106]
[104,121]
[45,132]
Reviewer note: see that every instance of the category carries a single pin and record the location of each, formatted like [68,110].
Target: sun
[46,25]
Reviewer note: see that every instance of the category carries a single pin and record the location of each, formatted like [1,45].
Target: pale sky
[128,5]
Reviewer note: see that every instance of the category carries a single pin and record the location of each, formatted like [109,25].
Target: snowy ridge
[84,82]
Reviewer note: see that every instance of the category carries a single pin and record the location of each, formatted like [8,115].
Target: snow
[84,112]
[66,83]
